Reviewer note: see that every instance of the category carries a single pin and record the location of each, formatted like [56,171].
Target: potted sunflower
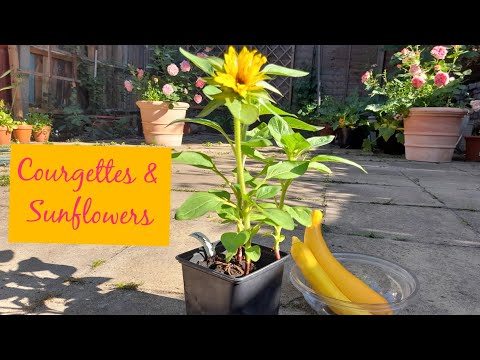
[235,275]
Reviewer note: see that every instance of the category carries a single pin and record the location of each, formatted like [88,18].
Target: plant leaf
[246,113]
[253,252]
[211,90]
[273,69]
[197,205]
[201,63]
[278,128]
[331,158]
[280,217]
[232,241]
[301,125]
[313,165]
[193,158]
[268,191]
[302,214]
[268,86]
[267,108]
[294,144]
[317,141]
[210,107]
[205,122]
[287,169]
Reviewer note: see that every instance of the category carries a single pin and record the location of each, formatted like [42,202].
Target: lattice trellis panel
[283,55]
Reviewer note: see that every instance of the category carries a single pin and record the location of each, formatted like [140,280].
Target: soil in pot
[43,134]
[210,289]
[5,135]
[23,133]
[472,148]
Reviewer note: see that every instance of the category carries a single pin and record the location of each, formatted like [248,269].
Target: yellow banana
[354,288]
[318,278]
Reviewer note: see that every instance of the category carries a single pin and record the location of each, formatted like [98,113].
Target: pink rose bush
[167,77]
[424,76]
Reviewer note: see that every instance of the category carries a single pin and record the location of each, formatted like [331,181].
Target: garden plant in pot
[426,94]
[310,114]
[42,125]
[6,124]
[22,131]
[165,91]
[237,276]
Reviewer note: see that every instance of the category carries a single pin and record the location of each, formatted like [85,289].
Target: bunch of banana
[327,275]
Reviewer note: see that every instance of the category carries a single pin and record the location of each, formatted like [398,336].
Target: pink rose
[399,66]
[418,81]
[441,78]
[202,55]
[167,89]
[404,51]
[365,76]
[208,49]
[140,74]
[415,69]
[475,104]
[198,98]
[439,52]
[172,69]
[437,67]
[128,85]
[200,83]
[185,66]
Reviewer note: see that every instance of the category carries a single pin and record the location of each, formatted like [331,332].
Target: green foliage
[4,180]
[38,119]
[259,195]
[5,117]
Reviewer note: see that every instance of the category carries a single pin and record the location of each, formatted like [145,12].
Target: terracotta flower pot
[431,133]
[472,148]
[43,134]
[23,133]
[5,135]
[327,130]
[156,115]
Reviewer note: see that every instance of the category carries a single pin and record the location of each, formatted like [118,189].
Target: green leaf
[268,191]
[201,63]
[252,153]
[254,143]
[211,90]
[336,159]
[280,217]
[229,256]
[273,69]
[261,131]
[294,144]
[5,73]
[386,132]
[232,241]
[268,86]
[253,252]
[221,194]
[193,158]
[313,165]
[302,214]
[317,141]
[228,213]
[301,125]
[278,128]
[197,205]
[205,122]
[210,107]
[216,62]
[246,113]
[374,107]
[287,169]
[7,87]
[267,108]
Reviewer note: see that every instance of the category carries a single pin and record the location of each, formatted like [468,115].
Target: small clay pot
[43,134]
[5,135]
[23,133]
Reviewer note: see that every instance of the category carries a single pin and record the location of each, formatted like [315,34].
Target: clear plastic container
[395,283]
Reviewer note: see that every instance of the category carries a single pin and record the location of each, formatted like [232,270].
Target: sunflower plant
[239,82]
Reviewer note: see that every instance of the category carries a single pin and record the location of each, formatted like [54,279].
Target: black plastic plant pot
[208,292]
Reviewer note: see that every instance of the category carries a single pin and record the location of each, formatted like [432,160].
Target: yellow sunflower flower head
[241,72]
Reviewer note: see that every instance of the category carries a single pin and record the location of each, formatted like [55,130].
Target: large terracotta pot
[5,135]
[43,134]
[472,148]
[431,133]
[156,115]
[23,133]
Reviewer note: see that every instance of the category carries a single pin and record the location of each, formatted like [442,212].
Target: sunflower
[241,72]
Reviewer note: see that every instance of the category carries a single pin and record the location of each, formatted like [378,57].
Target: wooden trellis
[283,55]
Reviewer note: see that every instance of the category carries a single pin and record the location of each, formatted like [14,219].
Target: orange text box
[69,194]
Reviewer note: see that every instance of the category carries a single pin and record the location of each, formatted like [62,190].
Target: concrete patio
[424,216]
